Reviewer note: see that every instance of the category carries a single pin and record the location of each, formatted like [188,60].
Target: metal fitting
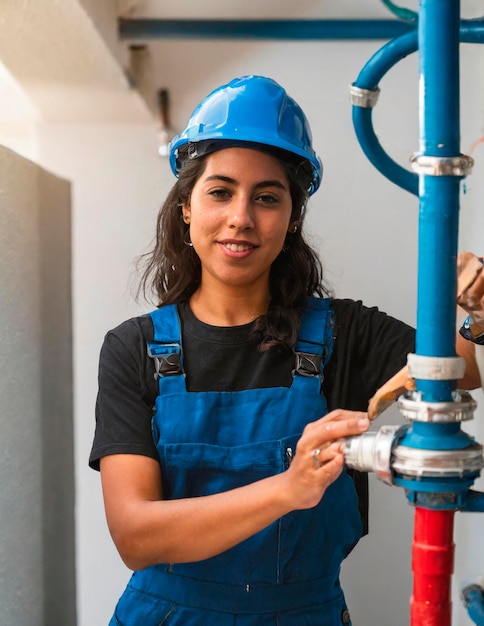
[435,367]
[442,166]
[365,98]
[413,408]
[372,451]
[437,463]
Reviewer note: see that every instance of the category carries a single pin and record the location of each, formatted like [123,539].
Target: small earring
[186,239]
[293,229]
[186,219]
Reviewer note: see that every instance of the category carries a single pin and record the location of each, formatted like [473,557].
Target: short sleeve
[370,347]
[124,405]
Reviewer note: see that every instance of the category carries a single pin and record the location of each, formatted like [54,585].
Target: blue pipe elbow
[474,502]
[371,74]
[376,154]
[471,31]
[473,598]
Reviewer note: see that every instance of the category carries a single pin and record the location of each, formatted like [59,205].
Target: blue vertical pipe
[439,195]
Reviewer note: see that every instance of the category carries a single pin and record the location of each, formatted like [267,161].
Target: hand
[389,392]
[319,459]
[470,296]
[470,285]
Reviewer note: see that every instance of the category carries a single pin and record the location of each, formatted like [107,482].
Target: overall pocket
[135,608]
[193,470]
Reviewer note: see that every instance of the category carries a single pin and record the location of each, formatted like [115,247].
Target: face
[240,212]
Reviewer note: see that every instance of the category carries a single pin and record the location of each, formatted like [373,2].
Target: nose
[240,213]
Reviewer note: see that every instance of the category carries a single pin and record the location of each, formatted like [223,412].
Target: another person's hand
[470,297]
[470,286]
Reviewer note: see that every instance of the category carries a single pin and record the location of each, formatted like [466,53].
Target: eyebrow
[261,184]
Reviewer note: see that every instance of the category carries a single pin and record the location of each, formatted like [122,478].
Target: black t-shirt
[369,348]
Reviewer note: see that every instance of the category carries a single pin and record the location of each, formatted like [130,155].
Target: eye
[219,193]
[267,199]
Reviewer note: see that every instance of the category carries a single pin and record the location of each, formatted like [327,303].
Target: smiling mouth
[238,247]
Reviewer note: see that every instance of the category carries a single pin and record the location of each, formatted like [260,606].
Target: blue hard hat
[254,111]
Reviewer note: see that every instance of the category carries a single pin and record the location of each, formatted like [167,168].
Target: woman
[222,472]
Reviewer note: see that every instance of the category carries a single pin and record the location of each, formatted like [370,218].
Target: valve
[373,451]
[431,457]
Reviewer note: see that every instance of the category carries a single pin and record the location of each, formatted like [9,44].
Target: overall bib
[209,442]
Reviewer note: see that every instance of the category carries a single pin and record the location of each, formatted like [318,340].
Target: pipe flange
[437,463]
[442,166]
[435,367]
[365,98]
[461,409]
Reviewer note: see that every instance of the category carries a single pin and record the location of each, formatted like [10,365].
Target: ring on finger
[316,459]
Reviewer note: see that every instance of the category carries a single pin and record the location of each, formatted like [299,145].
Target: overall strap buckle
[308,364]
[315,338]
[167,358]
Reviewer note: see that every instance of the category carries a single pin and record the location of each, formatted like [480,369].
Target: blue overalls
[288,573]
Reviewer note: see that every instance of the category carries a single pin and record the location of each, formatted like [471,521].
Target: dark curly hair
[171,271]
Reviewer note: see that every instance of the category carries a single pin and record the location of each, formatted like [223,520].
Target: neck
[229,307]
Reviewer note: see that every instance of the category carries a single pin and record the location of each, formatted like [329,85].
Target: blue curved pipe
[371,74]
[471,31]
[473,597]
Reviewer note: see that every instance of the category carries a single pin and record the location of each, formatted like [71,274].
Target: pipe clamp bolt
[442,166]
[365,98]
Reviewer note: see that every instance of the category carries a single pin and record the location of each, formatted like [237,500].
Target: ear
[186,213]
[293,226]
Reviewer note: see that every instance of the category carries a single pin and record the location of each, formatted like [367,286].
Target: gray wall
[37,564]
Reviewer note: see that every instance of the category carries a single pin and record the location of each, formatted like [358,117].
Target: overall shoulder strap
[166,349]
[315,340]
[166,324]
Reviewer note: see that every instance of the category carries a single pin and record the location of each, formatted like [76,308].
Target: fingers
[337,424]
[329,471]
[326,453]
[388,393]
[470,284]
[319,458]
[320,441]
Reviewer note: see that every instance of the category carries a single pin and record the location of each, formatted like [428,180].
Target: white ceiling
[53,55]
[260,9]
[62,60]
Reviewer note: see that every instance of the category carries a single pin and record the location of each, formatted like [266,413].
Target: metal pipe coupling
[460,409]
[381,452]
[373,451]
[445,464]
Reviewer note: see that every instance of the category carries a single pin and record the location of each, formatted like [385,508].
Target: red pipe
[432,566]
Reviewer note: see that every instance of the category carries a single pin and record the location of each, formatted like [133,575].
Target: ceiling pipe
[336,30]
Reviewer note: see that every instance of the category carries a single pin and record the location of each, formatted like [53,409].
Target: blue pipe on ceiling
[145,29]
